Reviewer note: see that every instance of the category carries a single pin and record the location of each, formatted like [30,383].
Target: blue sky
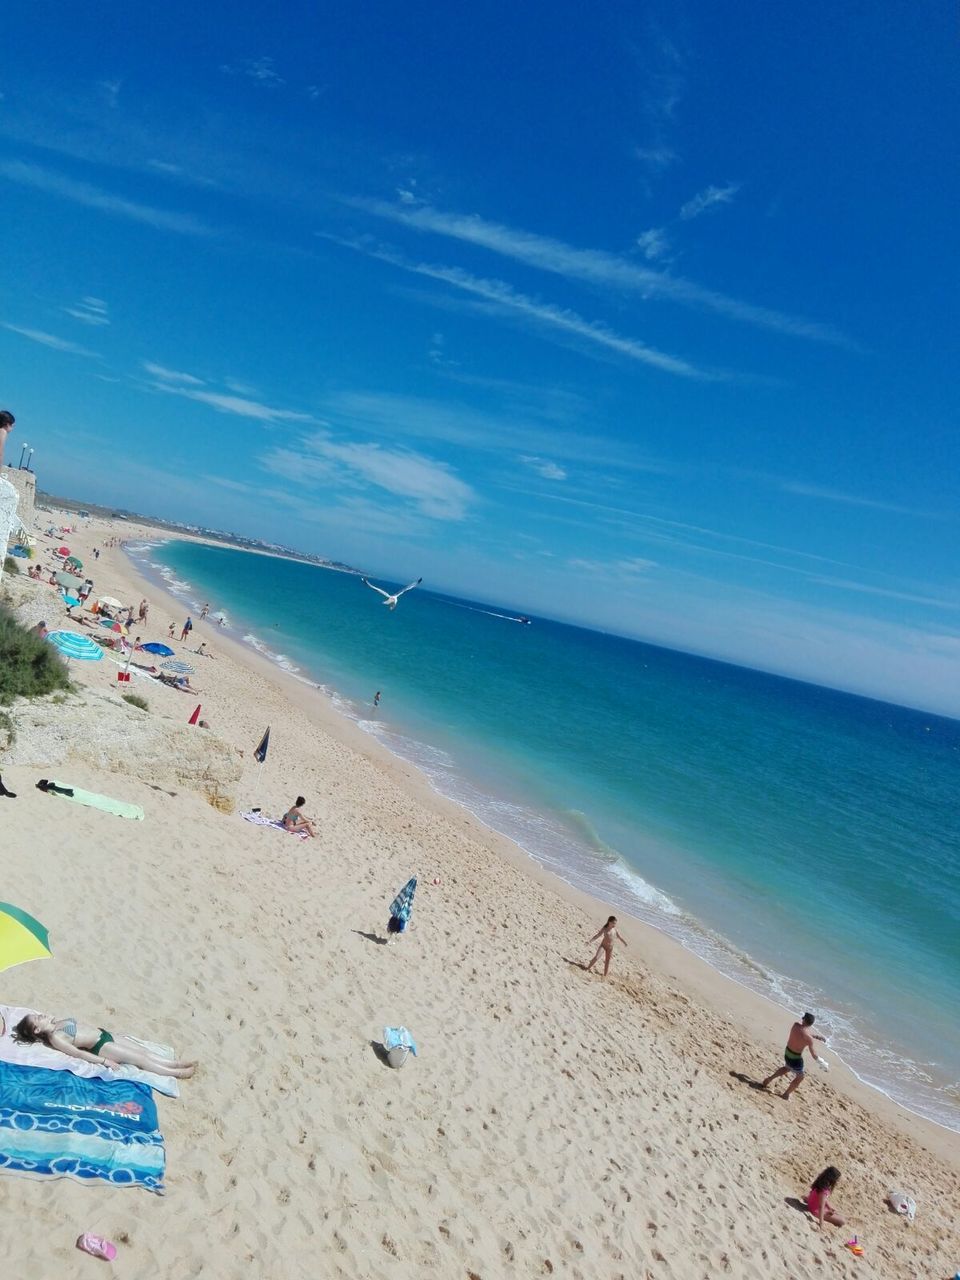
[641,316]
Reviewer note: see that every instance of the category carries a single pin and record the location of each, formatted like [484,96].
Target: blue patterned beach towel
[54,1124]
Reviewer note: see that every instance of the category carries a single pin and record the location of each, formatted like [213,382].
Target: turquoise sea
[803,841]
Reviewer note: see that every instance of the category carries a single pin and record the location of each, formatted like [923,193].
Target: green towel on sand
[93,801]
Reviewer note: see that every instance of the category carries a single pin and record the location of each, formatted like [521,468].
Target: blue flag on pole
[261,752]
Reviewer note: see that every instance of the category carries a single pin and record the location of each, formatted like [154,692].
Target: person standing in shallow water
[376,698]
[606,936]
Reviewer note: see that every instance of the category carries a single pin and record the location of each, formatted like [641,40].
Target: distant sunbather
[93,1044]
[293,819]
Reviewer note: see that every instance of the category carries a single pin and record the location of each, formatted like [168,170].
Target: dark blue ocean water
[804,841]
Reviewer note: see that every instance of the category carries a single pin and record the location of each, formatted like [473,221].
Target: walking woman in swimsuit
[94,1044]
[605,949]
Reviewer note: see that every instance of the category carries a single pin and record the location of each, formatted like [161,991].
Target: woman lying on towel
[93,1044]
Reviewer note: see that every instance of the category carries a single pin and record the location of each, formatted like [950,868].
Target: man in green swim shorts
[800,1038]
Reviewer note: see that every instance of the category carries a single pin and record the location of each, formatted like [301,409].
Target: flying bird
[389,600]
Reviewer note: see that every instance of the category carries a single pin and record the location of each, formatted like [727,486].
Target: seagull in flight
[389,600]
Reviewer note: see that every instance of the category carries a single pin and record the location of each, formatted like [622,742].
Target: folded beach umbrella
[184,668]
[21,937]
[195,718]
[402,904]
[73,645]
[155,647]
[260,754]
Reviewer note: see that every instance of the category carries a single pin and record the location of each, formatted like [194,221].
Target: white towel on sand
[261,820]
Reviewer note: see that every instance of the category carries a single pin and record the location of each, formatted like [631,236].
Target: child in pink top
[817,1201]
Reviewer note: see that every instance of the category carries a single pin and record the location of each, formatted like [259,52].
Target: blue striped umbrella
[183,667]
[402,904]
[73,645]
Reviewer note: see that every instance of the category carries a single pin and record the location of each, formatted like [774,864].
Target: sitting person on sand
[817,1201]
[606,936]
[293,819]
[93,1044]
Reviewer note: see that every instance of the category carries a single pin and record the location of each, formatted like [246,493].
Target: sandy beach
[552,1124]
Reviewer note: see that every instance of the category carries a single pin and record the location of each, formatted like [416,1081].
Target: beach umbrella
[112,625]
[160,650]
[65,579]
[73,645]
[71,601]
[21,937]
[63,551]
[196,715]
[110,602]
[402,904]
[260,755]
[77,564]
[184,668]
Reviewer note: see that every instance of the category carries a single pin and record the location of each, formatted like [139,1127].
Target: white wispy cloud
[654,244]
[851,499]
[49,340]
[593,266]
[241,388]
[865,588]
[657,157]
[631,567]
[261,71]
[239,406]
[544,467]
[504,298]
[431,487]
[57,184]
[708,198]
[110,90]
[92,311]
[437,355]
[534,424]
[171,375]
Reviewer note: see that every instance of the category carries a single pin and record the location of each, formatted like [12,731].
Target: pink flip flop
[97,1247]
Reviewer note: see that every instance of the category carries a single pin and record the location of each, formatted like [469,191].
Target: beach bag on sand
[398,1042]
[903,1204]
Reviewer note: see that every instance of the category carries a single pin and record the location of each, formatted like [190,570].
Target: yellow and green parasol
[21,937]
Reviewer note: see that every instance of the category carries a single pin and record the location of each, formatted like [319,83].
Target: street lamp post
[29,459]
[22,452]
